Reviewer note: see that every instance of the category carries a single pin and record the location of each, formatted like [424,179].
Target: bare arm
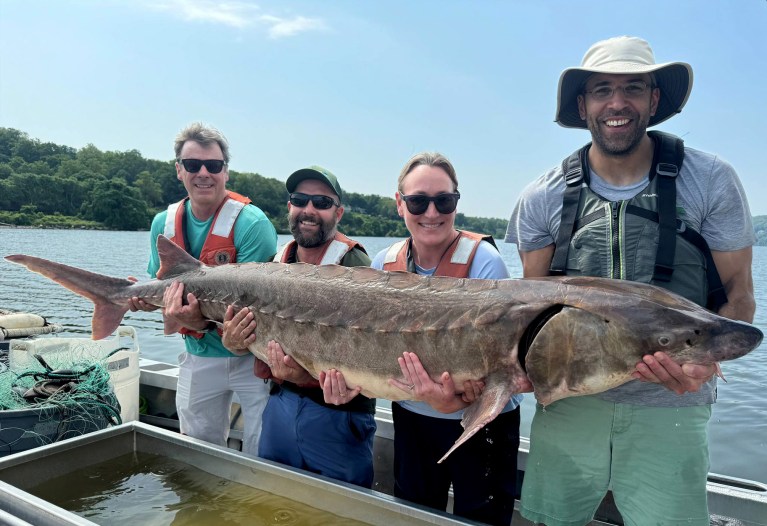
[536,263]
[735,271]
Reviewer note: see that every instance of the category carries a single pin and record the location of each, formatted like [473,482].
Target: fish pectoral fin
[497,392]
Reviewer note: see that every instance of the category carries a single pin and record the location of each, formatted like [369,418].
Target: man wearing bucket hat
[320,426]
[640,206]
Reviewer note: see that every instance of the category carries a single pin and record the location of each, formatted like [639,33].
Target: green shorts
[654,459]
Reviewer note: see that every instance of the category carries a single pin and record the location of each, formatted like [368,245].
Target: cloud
[280,27]
[237,14]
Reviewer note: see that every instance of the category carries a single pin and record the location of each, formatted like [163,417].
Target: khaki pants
[204,398]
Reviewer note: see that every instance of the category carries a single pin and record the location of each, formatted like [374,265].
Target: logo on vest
[649,195]
[222,258]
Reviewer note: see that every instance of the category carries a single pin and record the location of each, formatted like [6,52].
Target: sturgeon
[578,335]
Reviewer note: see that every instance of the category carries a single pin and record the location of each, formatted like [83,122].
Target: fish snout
[737,339]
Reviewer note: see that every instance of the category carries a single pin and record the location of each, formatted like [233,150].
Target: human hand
[239,330]
[136,304]
[262,370]
[285,367]
[418,384]
[189,315]
[659,368]
[472,389]
[334,388]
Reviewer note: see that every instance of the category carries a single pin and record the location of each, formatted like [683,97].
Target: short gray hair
[204,135]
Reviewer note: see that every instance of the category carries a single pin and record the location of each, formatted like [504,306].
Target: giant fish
[569,335]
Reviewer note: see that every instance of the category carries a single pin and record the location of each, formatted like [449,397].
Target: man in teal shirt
[217,227]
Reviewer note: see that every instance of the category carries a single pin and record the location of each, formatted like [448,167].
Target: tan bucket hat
[624,55]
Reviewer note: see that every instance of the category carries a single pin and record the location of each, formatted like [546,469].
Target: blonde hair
[435,159]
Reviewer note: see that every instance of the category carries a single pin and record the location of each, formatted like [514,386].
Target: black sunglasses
[417,204]
[320,202]
[193,166]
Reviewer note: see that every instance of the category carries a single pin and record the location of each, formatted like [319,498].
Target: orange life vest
[455,262]
[218,248]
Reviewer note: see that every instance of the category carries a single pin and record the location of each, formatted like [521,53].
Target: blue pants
[483,471]
[304,434]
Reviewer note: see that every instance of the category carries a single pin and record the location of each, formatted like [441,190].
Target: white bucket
[123,366]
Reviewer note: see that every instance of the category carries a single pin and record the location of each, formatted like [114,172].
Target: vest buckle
[667,169]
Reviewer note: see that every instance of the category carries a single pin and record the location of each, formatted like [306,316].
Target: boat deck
[732,501]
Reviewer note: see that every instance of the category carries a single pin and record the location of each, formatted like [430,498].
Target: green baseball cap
[313,172]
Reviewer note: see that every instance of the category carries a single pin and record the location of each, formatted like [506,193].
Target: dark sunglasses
[320,202]
[193,166]
[417,204]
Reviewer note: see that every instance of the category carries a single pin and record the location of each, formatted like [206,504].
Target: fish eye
[664,340]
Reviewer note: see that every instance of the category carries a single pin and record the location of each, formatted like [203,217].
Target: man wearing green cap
[639,206]
[320,426]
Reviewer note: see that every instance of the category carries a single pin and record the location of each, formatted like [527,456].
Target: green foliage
[29,217]
[48,185]
[269,195]
[116,205]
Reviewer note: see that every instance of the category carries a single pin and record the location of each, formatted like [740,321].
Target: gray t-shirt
[710,199]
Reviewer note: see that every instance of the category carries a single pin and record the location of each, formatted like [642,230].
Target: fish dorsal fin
[173,259]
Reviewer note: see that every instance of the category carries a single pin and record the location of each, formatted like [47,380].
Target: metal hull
[731,501]
[24,469]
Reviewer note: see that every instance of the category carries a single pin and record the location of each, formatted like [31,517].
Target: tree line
[47,185]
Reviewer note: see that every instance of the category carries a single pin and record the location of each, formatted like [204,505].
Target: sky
[360,86]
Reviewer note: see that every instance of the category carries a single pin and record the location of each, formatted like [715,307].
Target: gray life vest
[640,239]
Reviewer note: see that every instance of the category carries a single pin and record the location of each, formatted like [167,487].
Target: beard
[306,240]
[626,143]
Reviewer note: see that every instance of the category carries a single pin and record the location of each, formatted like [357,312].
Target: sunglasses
[417,204]
[193,166]
[320,202]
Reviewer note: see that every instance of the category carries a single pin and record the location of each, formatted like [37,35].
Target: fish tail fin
[497,392]
[98,288]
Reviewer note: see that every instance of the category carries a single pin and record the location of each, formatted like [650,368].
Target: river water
[738,428]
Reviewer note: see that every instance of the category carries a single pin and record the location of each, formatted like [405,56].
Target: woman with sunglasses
[483,471]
